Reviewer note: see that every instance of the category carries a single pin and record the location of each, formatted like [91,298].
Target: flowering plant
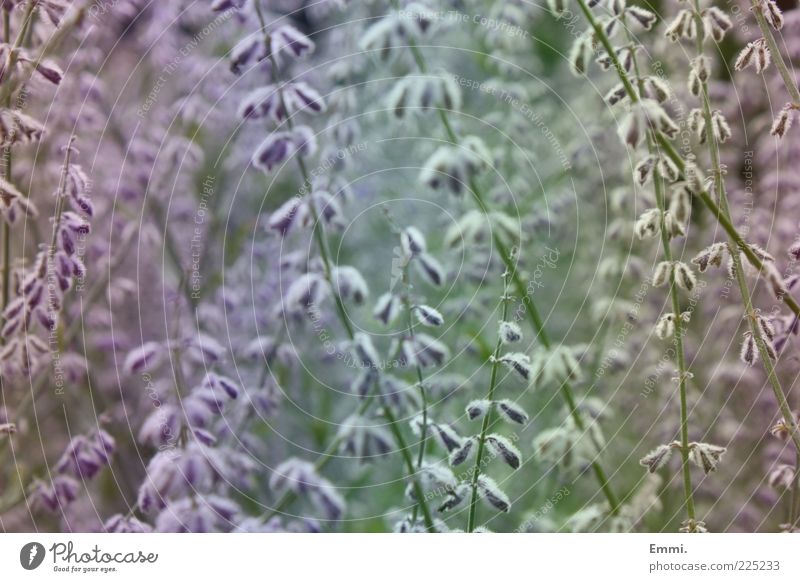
[398,265]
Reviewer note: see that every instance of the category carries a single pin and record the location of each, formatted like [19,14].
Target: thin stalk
[43,381]
[408,460]
[420,380]
[670,150]
[7,176]
[406,299]
[722,195]
[173,253]
[777,57]
[342,313]
[751,315]
[57,214]
[60,200]
[487,420]
[7,90]
[319,235]
[519,285]
[794,502]
[322,460]
[683,372]
[13,52]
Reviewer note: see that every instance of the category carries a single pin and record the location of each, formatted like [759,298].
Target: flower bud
[427,315]
[509,332]
[684,277]
[783,121]
[503,448]
[492,494]
[518,362]
[706,456]
[512,412]
[463,452]
[657,458]
[478,409]
[387,308]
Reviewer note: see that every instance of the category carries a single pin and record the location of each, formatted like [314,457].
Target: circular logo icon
[31,555]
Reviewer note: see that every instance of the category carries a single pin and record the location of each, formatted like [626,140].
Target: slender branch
[487,420]
[13,51]
[7,176]
[673,154]
[173,253]
[520,287]
[794,504]
[750,311]
[423,440]
[407,459]
[683,373]
[777,57]
[342,313]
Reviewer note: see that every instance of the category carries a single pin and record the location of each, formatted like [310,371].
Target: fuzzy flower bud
[430,269]
[649,224]
[706,456]
[512,412]
[509,332]
[478,409]
[684,277]
[643,17]
[716,23]
[665,328]
[350,284]
[683,26]
[503,448]
[412,242]
[783,121]
[657,458]
[756,53]
[720,127]
[463,452]
[772,14]
[427,315]
[518,362]
[387,308]
[492,494]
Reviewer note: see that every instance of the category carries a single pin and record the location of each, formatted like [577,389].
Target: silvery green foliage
[389,259]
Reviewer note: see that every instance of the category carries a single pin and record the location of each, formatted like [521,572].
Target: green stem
[520,287]
[420,379]
[327,264]
[777,57]
[13,52]
[487,420]
[670,150]
[678,339]
[174,255]
[750,312]
[329,453]
[683,372]
[409,462]
[7,176]
[794,504]
[322,460]
[319,235]
[44,380]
